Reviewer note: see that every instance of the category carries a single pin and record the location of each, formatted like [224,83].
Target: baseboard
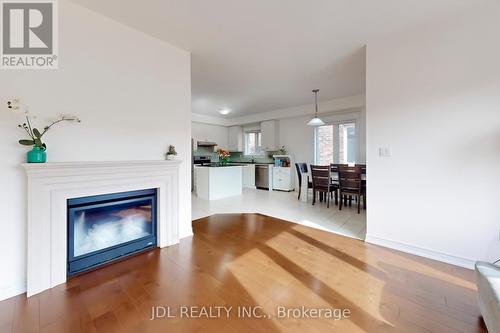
[12,291]
[426,253]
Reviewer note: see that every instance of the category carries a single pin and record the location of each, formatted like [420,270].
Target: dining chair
[350,184]
[335,166]
[335,169]
[363,182]
[322,183]
[363,168]
[302,168]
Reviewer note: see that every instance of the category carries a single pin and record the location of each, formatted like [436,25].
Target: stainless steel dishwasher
[262,176]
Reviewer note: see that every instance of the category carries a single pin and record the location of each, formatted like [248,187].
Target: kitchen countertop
[216,164]
[256,163]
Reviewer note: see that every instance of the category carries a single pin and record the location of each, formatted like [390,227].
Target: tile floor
[284,205]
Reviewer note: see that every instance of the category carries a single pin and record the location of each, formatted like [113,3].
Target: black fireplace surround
[107,227]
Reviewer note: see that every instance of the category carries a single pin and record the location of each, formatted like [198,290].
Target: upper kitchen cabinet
[269,130]
[235,138]
[209,133]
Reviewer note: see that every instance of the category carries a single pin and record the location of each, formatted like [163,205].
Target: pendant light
[316,121]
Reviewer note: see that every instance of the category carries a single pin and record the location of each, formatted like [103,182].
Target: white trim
[56,167]
[13,290]
[51,184]
[426,253]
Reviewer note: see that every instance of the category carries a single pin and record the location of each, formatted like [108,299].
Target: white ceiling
[258,55]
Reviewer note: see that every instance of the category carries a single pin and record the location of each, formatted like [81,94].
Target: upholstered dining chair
[302,168]
[350,185]
[322,183]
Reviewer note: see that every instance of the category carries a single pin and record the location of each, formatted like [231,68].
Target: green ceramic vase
[37,155]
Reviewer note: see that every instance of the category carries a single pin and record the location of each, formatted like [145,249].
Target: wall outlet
[13,104]
[384,152]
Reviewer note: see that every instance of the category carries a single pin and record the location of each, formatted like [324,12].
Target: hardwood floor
[255,260]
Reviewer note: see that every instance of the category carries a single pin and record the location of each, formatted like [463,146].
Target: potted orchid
[37,154]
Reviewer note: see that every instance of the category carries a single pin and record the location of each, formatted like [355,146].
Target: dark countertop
[216,164]
[256,163]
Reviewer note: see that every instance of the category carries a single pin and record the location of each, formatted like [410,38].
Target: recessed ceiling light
[224,111]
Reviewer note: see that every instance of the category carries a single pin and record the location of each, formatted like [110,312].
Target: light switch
[384,152]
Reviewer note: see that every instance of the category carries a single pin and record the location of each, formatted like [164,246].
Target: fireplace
[50,185]
[107,227]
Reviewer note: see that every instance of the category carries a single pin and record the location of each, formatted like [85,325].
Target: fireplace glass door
[105,227]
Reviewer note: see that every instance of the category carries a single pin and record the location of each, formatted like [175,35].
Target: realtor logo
[29,34]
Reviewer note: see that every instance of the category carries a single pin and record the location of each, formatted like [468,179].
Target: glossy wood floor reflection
[254,260]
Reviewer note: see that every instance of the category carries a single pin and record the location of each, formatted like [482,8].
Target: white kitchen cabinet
[249,175]
[209,133]
[282,179]
[235,138]
[269,130]
[214,183]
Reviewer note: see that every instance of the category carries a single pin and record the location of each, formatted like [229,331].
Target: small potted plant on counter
[37,154]
[171,153]
[223,156]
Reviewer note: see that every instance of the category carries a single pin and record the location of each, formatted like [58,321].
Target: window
[347,138]
[325,145]
[336,143]
[253,143]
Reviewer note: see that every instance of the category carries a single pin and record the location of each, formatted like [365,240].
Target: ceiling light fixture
[224,111]
[316,121]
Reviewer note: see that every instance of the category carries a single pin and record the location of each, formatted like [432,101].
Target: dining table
[306,177]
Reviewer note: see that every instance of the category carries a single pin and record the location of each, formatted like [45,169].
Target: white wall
[433,97]
[212,133]
[133,95]
[298,138]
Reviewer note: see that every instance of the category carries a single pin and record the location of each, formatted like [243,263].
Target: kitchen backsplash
[204,151]
[236,156]
[240,157]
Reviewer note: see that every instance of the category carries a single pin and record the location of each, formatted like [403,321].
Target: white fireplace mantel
[50,185]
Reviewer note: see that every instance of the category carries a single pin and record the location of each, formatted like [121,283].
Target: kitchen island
[216,182]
